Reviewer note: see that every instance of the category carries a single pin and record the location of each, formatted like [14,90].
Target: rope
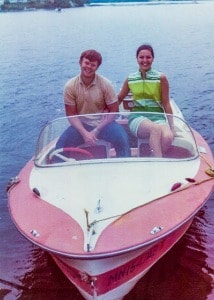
[182,188]
[208,163]
[209,171]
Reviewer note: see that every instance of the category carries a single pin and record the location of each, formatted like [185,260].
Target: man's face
[88,68]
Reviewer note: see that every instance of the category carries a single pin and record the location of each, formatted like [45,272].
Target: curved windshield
[81,139]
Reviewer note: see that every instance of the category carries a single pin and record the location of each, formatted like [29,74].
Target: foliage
[36,4]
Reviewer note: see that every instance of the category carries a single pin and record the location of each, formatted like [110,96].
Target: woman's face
[145,60]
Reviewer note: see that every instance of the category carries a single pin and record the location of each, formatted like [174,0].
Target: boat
[106,220]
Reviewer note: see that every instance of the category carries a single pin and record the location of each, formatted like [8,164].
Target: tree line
[36,4]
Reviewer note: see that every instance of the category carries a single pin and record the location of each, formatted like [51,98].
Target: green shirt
[146,92]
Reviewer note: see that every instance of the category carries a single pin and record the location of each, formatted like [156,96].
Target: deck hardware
[99,208]
[85,277]
[156,229]
[36,192]
[176,186]
[202,149]
[90,233]
[191,180]
[34,233]
[87,220]
[12,182]
[93,279]
[210,172]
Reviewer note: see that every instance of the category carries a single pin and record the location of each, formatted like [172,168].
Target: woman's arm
[165,101]
[165,95]
[124,91]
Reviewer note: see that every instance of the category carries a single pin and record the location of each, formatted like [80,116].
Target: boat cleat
[210,172]
[156,229]
[35,233]
[12,182]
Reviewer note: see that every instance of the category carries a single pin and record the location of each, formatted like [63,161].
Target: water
[39,53]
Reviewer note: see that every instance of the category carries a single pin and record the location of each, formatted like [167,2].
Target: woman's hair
[92,55]
[145,47]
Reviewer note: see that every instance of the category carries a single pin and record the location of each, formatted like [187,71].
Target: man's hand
[90,137]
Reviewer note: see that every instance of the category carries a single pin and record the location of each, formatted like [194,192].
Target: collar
[147,72]
[92,83]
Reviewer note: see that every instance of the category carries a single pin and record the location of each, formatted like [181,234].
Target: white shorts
[135,123]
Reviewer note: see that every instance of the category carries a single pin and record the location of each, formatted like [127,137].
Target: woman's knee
[156,130]
[167,135]
[145,129]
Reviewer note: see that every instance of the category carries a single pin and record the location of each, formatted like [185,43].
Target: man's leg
[70,138]
[117,136]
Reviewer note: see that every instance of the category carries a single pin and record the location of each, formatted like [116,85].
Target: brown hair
[92,55]
[145,47]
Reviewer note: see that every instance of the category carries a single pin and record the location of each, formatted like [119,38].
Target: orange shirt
[89,99]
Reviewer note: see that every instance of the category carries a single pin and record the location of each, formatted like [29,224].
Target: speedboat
[106,220]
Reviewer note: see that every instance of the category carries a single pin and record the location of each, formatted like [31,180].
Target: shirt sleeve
[69,93]
[110,94]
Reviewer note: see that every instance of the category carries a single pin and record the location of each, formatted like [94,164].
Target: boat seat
[174,151]
[100,150]
[178,152]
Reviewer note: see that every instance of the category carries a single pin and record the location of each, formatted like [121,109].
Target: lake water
[39,53]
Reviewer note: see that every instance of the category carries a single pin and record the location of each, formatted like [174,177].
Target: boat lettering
[134,266]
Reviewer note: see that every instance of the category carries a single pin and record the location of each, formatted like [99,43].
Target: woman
[150,90]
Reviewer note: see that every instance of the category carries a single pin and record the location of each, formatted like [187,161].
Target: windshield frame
[53,129]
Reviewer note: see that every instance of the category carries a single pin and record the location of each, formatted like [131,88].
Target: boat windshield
[60,143]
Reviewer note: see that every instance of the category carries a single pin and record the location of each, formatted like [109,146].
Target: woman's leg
[166,137]
[153,131]
[160,136]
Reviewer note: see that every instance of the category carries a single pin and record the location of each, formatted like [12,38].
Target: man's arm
[70,110]
[88,136]
[108,117]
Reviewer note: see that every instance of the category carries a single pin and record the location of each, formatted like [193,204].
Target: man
[90,93]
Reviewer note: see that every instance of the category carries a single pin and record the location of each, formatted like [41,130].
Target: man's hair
[145,47]
[92,55]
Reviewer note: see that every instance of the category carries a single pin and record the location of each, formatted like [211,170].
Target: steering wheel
[58,154]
